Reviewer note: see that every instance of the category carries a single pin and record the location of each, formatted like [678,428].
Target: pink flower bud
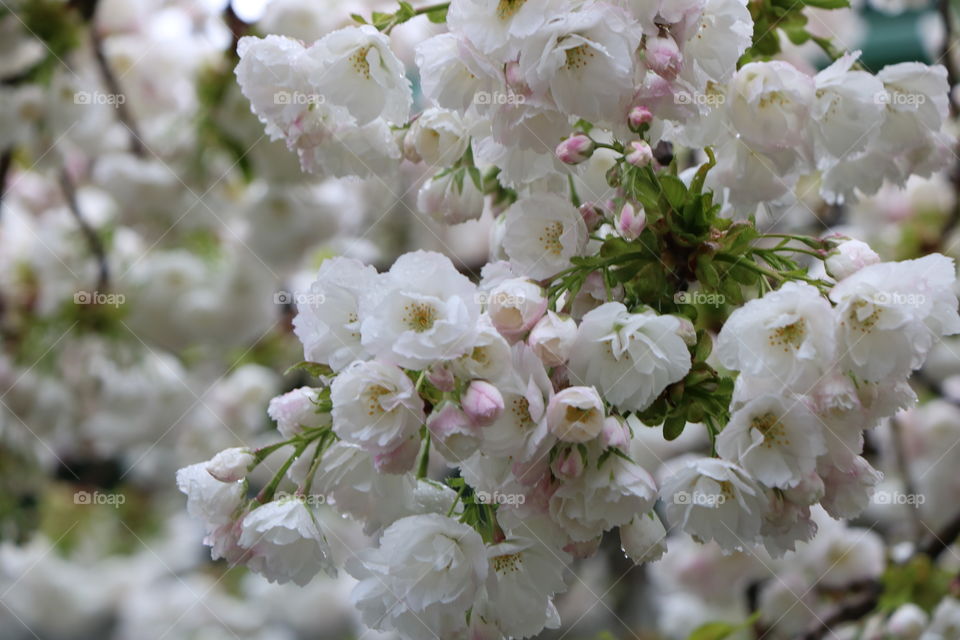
[640,154]
[849,257]
[575,149]
[615,433]
[568,464]
[631,222]
[639,116]
[482,402]
[663,56]
[400,460]
[592,215]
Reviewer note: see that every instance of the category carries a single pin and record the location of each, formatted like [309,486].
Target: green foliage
[772,16]
[386,21]
[58,26]
[314,369]
[918,581]
[721,630]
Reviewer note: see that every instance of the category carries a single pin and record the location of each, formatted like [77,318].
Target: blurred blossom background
[152,244]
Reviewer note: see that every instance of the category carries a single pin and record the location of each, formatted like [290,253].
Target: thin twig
[113,86]
[870,591]
[93,240]
[945,55]
[6,159]
[909,486]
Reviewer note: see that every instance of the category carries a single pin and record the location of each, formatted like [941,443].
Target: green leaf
[704,346]
[675,191]
[826,4]
[437,16]
[313,368]
[713,631]
[673,426]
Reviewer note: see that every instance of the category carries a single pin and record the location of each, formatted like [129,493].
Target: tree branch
[93,240]
[871,590]
[113,86]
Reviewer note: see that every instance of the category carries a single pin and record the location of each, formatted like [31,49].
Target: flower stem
[424,460]
[266,494]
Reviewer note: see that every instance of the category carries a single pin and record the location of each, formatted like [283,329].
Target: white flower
[776,439]
[499,29]
[786,335]
[488,357]
[348,479]
[847,490]
[295,410]
[439,137]
[602,497]
[841,555]
[644,539]
[451,197]
[208,499]
[769,105]
[273,74]
[285,543]
[846,111]
[542,233]
[327,320]
[917,101]
[521,430]
[850,257]
[375,406]
[945,622]
[722,34]
[890,314]
[452,72]
[423,311]
[629,357]
[717,500]
[370,150]
[584,62]
[422,578]
[515,305]
[357,69]
[524,574]
[230,465]
[552,338]
[576,414]
[907,622]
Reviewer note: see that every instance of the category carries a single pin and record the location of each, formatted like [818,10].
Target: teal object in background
[892,39]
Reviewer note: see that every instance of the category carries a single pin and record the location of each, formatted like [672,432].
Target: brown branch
[113,87]
[6,159]
[945,57]
[93,240]
[871,590]
[849,612]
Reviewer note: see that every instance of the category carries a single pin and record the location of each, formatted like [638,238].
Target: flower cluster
[485,430]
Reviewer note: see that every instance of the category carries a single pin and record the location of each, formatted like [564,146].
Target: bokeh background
[152,241]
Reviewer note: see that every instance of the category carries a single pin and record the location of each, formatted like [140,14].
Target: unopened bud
[575,149]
